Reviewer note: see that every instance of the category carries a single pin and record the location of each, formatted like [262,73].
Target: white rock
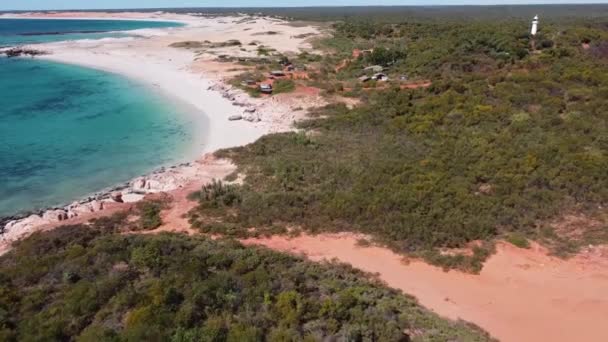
[54,215]
[116,196]
[153,185]
[88,208]
[138,184]
[131,197]
[96,205]
[10,224]
[26,223]
[252,118]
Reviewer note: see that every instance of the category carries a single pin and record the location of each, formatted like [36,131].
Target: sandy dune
[520,295]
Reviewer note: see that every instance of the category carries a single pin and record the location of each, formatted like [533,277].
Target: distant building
[534,26]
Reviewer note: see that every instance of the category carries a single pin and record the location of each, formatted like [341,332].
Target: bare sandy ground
[520,295]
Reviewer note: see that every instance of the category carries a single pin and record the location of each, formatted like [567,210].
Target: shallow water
[68,131]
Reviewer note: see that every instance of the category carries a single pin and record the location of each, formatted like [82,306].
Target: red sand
[521,295]
[416,85]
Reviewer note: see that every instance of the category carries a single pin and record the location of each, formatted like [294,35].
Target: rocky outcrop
[20,227]
[252,117]
[21,51]
[77,209]
[116,196]
[55,215]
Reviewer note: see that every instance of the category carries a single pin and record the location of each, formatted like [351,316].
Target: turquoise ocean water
[68,131]
[31,31]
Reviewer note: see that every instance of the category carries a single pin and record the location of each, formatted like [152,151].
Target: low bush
[149,213]
[283,86]
[518,240]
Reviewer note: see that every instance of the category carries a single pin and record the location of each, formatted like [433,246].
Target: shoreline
[185,23]
[35,15]
[147,59]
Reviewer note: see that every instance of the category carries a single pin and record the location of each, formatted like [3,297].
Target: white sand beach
[149,59]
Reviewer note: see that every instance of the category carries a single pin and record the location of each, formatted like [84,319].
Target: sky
[111,4]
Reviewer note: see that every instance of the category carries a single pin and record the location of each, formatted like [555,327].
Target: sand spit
[520,295]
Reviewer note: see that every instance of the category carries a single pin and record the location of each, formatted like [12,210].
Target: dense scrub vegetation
[506,138]
[87,283]
[411,13]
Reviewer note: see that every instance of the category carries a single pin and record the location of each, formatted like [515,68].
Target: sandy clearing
[520,295]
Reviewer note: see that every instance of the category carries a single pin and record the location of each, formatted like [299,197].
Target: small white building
[534,28]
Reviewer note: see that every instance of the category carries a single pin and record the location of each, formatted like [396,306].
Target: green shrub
[217,194]
[149,213]
[501,141]
[518,240]
[179,288]
[283,86]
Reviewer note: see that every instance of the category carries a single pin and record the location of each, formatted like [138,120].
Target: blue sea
[31,31]
[68,131]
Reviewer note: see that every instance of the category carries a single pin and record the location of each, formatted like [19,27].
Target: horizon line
[287,7]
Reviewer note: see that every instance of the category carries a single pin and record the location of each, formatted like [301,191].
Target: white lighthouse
[534,25]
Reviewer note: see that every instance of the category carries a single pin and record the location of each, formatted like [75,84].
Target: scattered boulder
[116,196]
[138,185]
[20,51]
[153,185]
[55,215]
[10,224]
[235,117]
[24,224]
[132,197]
[252,118]
[96,205]
[85,208]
